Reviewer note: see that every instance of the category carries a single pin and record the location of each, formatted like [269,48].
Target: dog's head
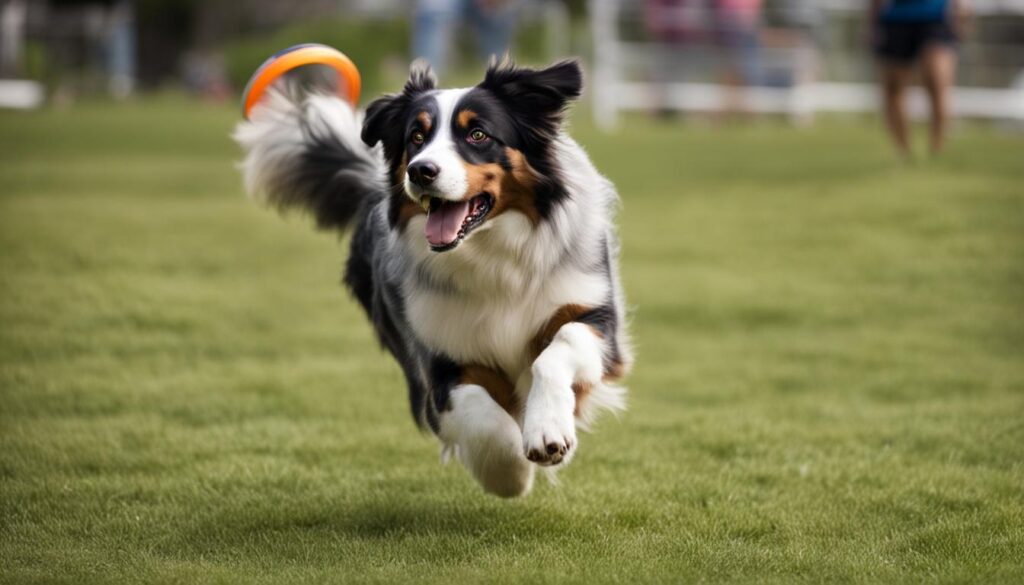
[463,157]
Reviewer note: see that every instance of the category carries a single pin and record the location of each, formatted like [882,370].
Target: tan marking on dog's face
[512,190]
[465,117]
[409,209]
[496,384]
[425,121]
[401,169]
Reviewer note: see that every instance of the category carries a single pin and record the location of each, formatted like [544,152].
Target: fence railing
[817,64]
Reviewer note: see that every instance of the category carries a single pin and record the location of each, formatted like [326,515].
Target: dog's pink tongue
[443,223]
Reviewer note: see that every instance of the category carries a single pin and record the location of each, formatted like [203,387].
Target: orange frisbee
[297,56]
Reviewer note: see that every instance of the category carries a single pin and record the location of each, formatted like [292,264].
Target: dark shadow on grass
[272,534]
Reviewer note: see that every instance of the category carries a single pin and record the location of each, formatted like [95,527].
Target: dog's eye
[418,138]
[477,135]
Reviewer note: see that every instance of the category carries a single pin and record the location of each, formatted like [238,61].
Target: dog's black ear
[380,115]
[539,93]
[383,117]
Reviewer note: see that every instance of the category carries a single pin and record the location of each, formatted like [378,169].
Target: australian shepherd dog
[483,250]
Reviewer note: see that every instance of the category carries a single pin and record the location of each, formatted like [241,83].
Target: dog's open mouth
[449,222]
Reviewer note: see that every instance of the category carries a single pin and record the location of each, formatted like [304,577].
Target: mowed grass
[830,383]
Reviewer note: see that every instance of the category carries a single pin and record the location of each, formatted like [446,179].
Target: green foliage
[829,385]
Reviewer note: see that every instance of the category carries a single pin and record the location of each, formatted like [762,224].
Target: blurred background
[794,58]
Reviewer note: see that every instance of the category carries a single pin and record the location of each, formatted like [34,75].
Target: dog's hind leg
[484,436]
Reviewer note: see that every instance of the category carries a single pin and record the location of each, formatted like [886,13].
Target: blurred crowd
[908,39]
[436,22]
[731,45]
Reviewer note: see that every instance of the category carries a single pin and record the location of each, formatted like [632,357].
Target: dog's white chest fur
[496,308]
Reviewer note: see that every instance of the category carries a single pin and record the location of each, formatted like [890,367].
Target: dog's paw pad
[550,442]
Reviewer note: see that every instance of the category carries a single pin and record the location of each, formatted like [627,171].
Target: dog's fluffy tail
[303,151]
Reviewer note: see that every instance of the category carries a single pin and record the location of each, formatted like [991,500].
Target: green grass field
[829,386]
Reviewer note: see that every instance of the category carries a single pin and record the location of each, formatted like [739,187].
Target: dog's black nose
[423,173]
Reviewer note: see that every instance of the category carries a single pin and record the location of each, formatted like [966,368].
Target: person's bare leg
[895,79]
[939,66]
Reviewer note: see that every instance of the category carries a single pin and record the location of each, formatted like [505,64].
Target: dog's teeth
[425,203]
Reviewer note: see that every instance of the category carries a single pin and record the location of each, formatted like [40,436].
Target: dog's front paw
[549,435]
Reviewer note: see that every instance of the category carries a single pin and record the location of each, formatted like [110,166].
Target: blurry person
[916,34]
[675,21]
[12,36]
[738,26]
[493,21]
[673,25]
[108,33]
[204,74]
[119,49]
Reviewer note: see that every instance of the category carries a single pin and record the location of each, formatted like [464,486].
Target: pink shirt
[747,11]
